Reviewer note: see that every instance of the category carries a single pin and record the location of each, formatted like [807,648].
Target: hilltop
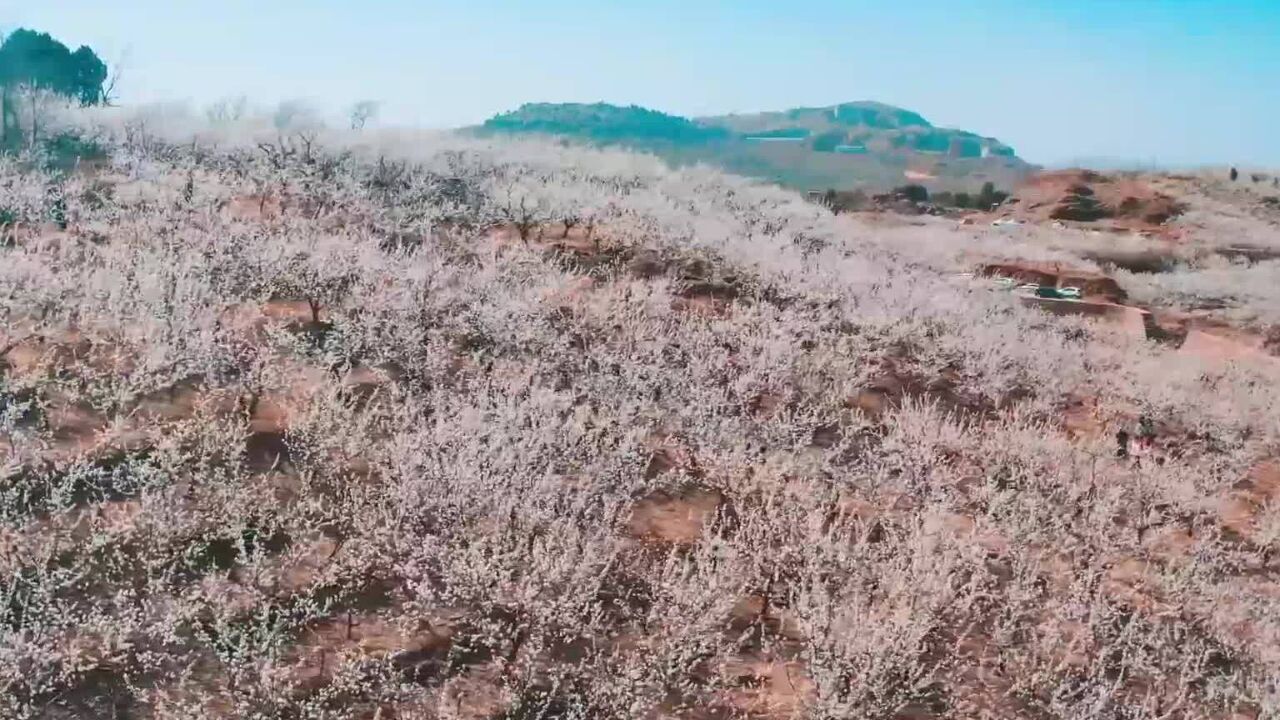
[313,424]
[857,145]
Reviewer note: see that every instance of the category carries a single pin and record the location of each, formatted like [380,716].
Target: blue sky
[1170,81]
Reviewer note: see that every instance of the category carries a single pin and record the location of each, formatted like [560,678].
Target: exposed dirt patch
[1089,197]
[1219,343]
[181,400]
[676,517]
[705,298]
[1130,581]
[273,205]
[46,353]
[895,385]
[1133,322]
[765,687]
[1149,261]
[363,383]
[293,311]
[764,405]
[646,264]
[1242,510]
[418,649]
[1093,285]
[73,424]
[267,451]
[667,454]
[757,611]
[1080,418]
[702,305]
[256,208]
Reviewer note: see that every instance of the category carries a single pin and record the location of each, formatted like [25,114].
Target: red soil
[1093,285]
[1090,197]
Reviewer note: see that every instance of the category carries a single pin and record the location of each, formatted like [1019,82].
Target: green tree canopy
[36,60]
[90,75]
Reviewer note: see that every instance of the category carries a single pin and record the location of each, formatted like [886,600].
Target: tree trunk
[6,109]
[35,118]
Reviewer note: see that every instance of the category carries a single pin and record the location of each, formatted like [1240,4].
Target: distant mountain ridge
[604,123]
[851,145]
[853,114]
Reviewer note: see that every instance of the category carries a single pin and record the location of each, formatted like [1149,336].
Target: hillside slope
[422,427]
[853,145]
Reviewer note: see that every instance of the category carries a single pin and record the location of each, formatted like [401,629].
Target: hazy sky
[1172,81]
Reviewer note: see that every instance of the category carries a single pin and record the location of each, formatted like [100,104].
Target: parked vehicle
[1054,293]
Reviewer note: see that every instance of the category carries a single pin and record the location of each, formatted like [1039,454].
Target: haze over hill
[847,146]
